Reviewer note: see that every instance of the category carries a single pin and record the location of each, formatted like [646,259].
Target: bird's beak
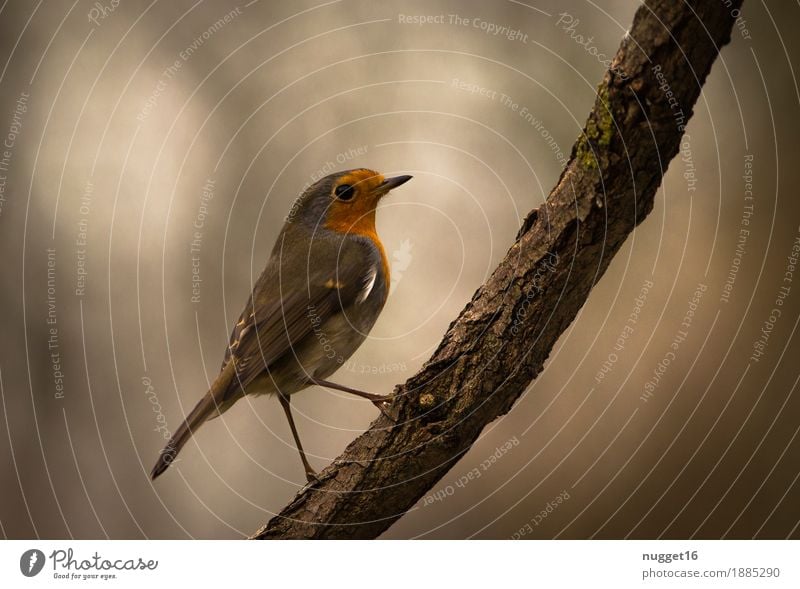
[391,183]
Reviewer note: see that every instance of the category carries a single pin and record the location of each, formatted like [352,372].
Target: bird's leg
[311,475]
[380,401]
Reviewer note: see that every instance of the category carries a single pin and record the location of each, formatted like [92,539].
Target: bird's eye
[344,192]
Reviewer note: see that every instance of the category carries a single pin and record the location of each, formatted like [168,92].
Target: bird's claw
[312,477]
[384,403]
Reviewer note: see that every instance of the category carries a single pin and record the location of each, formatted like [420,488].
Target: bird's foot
[311,476]
[384,402]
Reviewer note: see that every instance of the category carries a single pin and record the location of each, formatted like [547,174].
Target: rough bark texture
[501,339]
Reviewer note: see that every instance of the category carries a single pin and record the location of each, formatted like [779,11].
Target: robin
[324,286]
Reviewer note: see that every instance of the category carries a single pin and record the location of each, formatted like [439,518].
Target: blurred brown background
[153,149]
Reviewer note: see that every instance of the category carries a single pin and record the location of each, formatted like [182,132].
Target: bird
[324,285]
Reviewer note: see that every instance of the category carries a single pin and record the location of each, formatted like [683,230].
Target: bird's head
[345,201]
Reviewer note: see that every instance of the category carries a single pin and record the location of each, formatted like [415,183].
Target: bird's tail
[211,405]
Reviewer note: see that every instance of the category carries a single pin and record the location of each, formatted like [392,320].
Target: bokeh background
[153,149]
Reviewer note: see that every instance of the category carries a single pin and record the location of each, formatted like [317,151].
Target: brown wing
[285,312]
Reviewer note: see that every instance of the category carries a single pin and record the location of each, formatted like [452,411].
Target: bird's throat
[360,223]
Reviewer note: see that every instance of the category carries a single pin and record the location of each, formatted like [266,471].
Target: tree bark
[501,339]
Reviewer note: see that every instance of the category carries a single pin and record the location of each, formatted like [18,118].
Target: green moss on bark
[596,138]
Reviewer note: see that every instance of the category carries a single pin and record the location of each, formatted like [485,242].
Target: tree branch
[501,339]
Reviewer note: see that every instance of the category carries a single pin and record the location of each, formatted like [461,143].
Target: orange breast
[364,226]
[357,217]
